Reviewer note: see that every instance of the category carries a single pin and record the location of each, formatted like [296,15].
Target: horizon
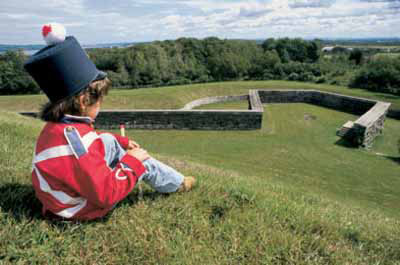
[146,21]
[255,39]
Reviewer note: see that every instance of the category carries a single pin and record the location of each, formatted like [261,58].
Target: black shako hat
[62,70]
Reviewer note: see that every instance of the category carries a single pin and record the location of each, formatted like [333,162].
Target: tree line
[189,60]
[13,77]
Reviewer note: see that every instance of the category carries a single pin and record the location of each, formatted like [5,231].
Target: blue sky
[104,21]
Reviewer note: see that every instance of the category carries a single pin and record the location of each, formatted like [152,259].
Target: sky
[109,21]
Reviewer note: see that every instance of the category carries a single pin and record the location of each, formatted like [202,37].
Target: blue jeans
[159,176]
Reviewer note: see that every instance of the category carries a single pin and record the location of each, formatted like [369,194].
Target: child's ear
[82,102]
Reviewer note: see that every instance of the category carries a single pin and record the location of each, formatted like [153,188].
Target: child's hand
[139,154]
[133,145]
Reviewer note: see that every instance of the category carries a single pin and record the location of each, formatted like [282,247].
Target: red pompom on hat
[53,33]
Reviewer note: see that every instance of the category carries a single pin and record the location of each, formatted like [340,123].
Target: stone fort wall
[363,132]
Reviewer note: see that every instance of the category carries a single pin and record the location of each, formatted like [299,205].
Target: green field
[293,149]
[176,97]
[393,55]
[371,46]
[290,193]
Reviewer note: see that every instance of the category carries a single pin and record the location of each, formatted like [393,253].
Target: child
[79,173]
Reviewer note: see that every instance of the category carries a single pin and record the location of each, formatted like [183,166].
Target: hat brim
[100,76]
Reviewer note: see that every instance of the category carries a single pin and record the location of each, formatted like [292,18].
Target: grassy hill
[175,97]
[289,193]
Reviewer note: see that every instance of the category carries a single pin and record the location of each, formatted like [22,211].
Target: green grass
[293,150]
[385,54]
[285,194]
[371,46]
[176,97]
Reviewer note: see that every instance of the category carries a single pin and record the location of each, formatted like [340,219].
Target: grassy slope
[294,151]
[283,195]
[230,218]
[177,96]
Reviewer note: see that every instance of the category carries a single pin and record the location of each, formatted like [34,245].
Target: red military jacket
[80,185]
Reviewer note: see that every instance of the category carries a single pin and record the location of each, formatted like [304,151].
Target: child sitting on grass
[79,173]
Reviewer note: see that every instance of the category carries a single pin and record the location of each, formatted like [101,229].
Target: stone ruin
[361,132]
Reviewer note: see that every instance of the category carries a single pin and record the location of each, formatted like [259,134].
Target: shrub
[182,81]
[268,75]
[203,79]
[356,56]
[380,74]
[294,49]
[13,77]
[398,145]
[320,80]
[293,77]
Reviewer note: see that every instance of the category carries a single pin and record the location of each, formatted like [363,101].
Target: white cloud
[311,3]
[143,20]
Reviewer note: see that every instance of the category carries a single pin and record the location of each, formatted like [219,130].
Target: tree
[356,55]
[294,49]
[264,64]
[314,51]
[380,74]
[13,77]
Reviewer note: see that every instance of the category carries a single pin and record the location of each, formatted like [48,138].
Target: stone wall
[370,125]
[188,119]
[182,120]
[363,132]
[343,103]
[255,103]
[353,105]
[284,96]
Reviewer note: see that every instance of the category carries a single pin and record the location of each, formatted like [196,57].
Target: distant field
[388,54]
[176,97]
[371,46]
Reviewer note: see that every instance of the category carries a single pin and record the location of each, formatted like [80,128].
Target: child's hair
[94,92]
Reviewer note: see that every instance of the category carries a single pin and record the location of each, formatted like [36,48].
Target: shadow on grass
[345,143]
[19,201]
[394,159]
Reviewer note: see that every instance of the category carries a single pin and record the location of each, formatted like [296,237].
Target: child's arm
[123,141]
[100,184]
[132,145]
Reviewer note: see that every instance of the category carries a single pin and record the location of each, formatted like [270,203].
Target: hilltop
[286,194]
